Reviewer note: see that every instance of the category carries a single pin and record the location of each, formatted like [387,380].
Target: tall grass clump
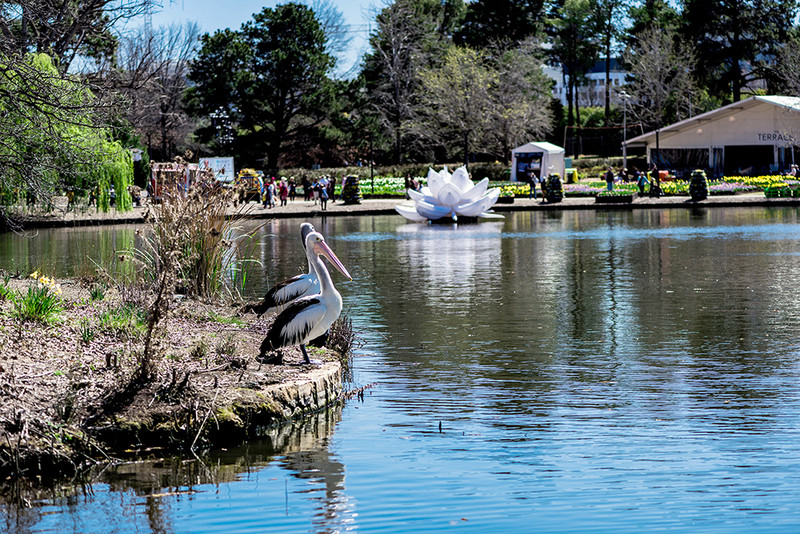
[192,246]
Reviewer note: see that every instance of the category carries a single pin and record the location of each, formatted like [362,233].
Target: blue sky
[212,15]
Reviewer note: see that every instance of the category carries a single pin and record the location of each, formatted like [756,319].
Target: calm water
[578,371]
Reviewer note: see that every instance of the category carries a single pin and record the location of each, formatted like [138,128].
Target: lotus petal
[435,182]
[430,211]
[449,195]
[461,180]
[421,197]
[409,211]
[476,192]
[482,204]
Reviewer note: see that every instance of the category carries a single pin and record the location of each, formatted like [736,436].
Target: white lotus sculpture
[450,195]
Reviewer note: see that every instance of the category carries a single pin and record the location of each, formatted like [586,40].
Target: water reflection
[615,371]
[451,263]
[147,495]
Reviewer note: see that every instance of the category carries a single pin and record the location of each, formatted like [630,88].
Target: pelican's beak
[322,249]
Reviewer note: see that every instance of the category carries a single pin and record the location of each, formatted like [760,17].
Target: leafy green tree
[650,15]
[216,76]
[271,77]
[287,92]
[51,136]
[736,40]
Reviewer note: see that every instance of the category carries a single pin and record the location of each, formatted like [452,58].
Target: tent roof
[791,103]
[542,146]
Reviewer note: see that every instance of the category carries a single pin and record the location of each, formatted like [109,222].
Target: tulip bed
[730,185]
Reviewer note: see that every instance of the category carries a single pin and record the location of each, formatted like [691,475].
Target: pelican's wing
[285,292]
[293,325]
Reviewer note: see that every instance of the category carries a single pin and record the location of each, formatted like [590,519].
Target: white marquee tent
[538,159]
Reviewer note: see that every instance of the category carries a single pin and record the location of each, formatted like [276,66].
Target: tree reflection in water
[109,495]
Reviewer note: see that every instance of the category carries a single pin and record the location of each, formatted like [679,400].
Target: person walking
[323,197]
[532,183]
[610,179]
[284,192]
[641,181]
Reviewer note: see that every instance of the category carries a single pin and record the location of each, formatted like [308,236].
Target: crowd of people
[275,191]
[641,179]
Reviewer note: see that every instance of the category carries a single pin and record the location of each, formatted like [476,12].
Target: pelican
[310,316]
[283,293]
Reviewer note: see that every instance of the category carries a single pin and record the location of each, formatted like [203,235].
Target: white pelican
[308,317]
[283,293]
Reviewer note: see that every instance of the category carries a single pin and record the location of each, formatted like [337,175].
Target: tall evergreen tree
[501,21]
[575,48]
[276,83]
[736,40]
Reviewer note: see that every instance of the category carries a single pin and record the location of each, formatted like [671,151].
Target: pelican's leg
[309,360]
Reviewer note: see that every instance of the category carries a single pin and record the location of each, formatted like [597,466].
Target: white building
[592,91]
[751,137]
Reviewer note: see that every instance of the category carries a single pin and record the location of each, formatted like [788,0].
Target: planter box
[614,199]
[505,200]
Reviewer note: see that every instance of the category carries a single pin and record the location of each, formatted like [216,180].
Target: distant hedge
[478,171]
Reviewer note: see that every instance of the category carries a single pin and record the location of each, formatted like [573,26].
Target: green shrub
[125,321]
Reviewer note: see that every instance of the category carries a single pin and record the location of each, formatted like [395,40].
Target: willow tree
[51,134]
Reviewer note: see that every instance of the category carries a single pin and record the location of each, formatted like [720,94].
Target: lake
[576,371]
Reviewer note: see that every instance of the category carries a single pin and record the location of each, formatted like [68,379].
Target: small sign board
[221,167]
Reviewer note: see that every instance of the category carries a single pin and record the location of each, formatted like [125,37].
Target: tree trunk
[568,86]
[577,121]
[608,79]
[466,149]
[398,145]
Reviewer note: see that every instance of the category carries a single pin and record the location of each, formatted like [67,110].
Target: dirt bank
[68,401]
